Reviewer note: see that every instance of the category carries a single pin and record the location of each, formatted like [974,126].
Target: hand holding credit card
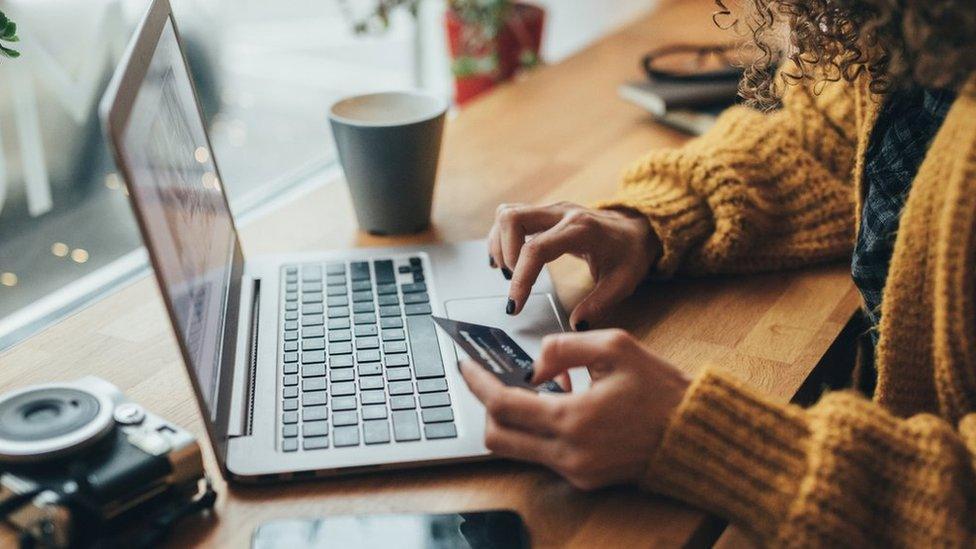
[496,352]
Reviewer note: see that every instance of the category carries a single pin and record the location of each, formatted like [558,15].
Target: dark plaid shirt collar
[906,125]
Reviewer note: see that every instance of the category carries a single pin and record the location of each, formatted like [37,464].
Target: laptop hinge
[243,412]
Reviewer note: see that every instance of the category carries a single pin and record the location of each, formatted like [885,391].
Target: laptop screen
[186,222]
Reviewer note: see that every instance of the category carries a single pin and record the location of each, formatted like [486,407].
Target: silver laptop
[302,365]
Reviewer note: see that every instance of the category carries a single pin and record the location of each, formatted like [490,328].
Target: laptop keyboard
[360,359]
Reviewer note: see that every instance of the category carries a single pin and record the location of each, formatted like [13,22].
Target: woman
[874,144]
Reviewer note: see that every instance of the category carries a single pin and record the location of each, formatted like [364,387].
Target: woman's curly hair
[898,43]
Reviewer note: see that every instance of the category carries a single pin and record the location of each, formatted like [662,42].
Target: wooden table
[559,134]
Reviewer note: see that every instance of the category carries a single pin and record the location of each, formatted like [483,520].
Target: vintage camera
[80,465]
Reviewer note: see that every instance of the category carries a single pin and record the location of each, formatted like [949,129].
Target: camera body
[79,461]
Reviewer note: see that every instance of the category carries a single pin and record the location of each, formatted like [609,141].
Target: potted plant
[490,41]
[8,33]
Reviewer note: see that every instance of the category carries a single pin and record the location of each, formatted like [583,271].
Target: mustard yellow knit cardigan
[777,190]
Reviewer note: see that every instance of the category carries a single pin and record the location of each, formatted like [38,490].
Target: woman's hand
[596,438]
[618,246]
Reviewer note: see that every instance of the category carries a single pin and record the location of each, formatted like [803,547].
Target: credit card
[496,352]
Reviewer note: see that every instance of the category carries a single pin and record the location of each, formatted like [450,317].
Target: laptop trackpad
[537,319]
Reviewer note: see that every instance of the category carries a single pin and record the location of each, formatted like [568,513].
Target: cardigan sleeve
[842,473]
[759,191]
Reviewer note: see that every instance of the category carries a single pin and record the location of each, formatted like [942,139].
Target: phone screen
[475,530]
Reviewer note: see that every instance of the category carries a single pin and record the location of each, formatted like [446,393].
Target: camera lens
[48,419]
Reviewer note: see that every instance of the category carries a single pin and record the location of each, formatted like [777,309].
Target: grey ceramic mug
[389,144]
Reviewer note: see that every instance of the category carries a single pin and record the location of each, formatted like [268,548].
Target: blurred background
[266,72]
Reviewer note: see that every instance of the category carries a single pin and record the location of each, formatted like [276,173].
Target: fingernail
[510,307]
[529,374]
[582,326]
[506,273]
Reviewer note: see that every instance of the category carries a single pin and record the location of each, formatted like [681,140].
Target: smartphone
[494,529]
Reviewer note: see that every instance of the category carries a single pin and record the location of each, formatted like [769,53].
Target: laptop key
[390,310]
[312,297]
[317,398]
[340,335]
[370,382]
[417,309]
[289,392]
[415,262]
[338,323]
[343,403]
[291,315]
[313,309]
[343,388]
[312,320]
[315,428]
[391,322]
[289,431]
[335,268]
[367,343]
[396,334]
[315,443]
[426,350]
[337,301]
[431,400]
[376,431]
[313,370]
[314,384]
[402,402]
[437,415]
[291,306]
[345,436]
[344,374]
[288,381]
[440,430]
[291,325]
[371,355]
[311,272]
[386,289]
[313,344]
[291,357]
[372,397]
[401,388]
[338,312]
[364,318]
[396,360]
[341,361]
[364,307]
[397,374]
[405,426]
[420,297]
[413,288]
[394,347]
[350,417]
[341,348]
[359,270]
[362,296]
[335,290]
[374,411]
[418,277]
[290,404]
[313,357]
[384,271]
[403,269]
[290,368]
[433,385]
[289,445]
[335,280]
[366,330]
[385,300]
[312,287]
[291,296]
[289,418]
[370,369]
[362,285]
[315,413]
[291,346]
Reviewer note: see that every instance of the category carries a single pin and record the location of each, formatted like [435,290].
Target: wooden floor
[559,134]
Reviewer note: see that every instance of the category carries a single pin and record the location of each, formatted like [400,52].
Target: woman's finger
[512,443]
[494,247]
[598,350]
[514,407]
[541,249]
[608,291]
[515,222]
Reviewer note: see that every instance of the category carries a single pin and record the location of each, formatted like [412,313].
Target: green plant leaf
[7,52]
[10,32]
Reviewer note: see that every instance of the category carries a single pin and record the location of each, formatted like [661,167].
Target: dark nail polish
[529,373]
[491,262]
[506,273]
[510,307]
[582,326]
